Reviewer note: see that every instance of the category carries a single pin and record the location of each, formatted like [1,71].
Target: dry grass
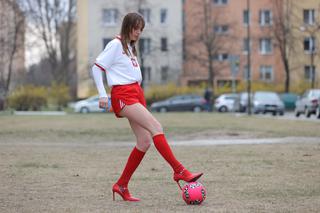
[101,127]
[56,166]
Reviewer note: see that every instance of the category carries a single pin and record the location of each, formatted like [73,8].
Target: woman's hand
[105,103]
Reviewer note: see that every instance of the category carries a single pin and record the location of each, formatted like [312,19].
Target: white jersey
[120,68]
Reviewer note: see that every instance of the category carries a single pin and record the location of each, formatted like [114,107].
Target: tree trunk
[287,80]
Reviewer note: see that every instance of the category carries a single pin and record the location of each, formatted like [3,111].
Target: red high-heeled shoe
[123,192]
[186,176]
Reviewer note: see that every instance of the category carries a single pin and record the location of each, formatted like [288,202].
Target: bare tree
[11,43]
[283,34]
[53,22]
[209,40]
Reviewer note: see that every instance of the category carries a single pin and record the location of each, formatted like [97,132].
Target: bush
[28,98]
[59,95]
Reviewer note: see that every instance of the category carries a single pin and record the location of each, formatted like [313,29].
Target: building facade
[305,60]
[160,45]
[227,29]
[12,45]
[221,27]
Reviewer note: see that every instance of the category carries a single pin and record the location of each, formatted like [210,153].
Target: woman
[119,61]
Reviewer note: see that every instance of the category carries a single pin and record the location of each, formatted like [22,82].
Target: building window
[220,2]
[163,16]
[266,73]
[309,16]
[145,45]
[245,46]
[105,41]
[164,44]
[265,46]
[309,72]
[221,57]
[246,17]
[164,73]
[265,18]
[221,29]
[146,13]
[109,17]
[309,44]
[147,74]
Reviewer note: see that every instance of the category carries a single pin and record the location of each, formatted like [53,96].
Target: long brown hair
[130,21]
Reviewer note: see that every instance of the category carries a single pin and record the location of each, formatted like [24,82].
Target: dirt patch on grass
[214,134]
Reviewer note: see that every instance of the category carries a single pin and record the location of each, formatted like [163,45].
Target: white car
[88,105]
[308,103]
[226,102]
[266,101]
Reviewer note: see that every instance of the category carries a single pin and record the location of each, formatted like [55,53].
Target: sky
[34,48]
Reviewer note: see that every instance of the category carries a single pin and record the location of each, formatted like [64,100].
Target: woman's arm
[97,76]
[104,101]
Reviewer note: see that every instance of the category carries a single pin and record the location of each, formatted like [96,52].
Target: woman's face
[135,33]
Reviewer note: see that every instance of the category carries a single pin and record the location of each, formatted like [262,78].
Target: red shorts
[122,95]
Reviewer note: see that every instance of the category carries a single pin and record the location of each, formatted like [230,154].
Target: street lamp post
[249,61]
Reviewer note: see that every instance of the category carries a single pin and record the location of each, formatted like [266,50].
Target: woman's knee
[143,144]
[157,128]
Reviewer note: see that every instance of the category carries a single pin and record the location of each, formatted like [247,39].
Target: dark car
[188,102]
[265,101]
[289,100]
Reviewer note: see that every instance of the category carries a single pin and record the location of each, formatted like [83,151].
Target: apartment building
[305,61]
[226,22]
[160,45]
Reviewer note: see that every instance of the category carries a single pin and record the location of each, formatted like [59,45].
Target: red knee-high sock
[164,149]
[133,162]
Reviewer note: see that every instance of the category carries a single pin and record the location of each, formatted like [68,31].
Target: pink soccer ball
[194,193]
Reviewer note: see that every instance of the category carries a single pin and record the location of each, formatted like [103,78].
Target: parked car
[265,101]
[289,100]
[88,105]
[318,111]
[226,102]
[308,103]
[189,102]
[241,104]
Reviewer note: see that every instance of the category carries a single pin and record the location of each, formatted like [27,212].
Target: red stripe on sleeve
[103,69]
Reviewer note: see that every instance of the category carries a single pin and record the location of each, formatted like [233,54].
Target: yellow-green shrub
[255,86]
[59,94]
[28,98]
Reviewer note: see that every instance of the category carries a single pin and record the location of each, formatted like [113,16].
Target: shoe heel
[113,196]
[179,185]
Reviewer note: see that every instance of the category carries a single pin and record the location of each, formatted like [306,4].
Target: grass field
[69,163]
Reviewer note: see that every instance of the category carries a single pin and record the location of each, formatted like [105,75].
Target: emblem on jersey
[121,104]
[134,62]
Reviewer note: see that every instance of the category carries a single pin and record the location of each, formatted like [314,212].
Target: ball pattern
[194,193]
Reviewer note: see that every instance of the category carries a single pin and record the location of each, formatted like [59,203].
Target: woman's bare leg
[139,115]
[143,143]
[143,136]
